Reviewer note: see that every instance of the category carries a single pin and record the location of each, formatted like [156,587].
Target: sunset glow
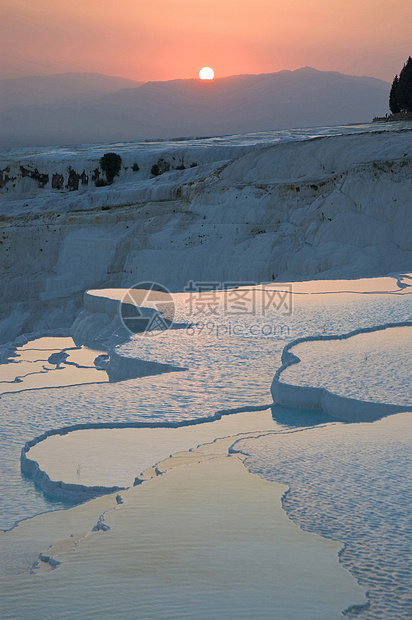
[170,39]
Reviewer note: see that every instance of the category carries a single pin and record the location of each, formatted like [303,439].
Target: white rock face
[357,377]
[337,207]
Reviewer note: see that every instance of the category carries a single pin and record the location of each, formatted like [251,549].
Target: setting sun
[206,73]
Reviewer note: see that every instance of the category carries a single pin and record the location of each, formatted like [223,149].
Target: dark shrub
[57,181]
[164,166]
[95,174]
[73,180]
[111,163]
[161,167]
[135,167]
[101,183]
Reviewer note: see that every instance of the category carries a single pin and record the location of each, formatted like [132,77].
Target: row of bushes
[111,164]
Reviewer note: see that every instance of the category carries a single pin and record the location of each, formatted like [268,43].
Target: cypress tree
[405,82]
[400,98]
[394,106]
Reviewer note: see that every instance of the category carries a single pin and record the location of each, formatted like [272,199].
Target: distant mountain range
[78,108]
[59,88]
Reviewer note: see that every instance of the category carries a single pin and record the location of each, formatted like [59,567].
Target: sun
[206,73]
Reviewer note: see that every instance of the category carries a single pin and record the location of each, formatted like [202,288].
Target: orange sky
[167,39]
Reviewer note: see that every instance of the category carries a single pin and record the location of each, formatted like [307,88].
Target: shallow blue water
[223,373]
[351,485]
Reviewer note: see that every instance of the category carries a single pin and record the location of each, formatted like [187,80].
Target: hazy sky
[168,39]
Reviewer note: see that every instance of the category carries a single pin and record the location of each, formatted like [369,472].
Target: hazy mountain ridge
[43,89]
[176,108]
